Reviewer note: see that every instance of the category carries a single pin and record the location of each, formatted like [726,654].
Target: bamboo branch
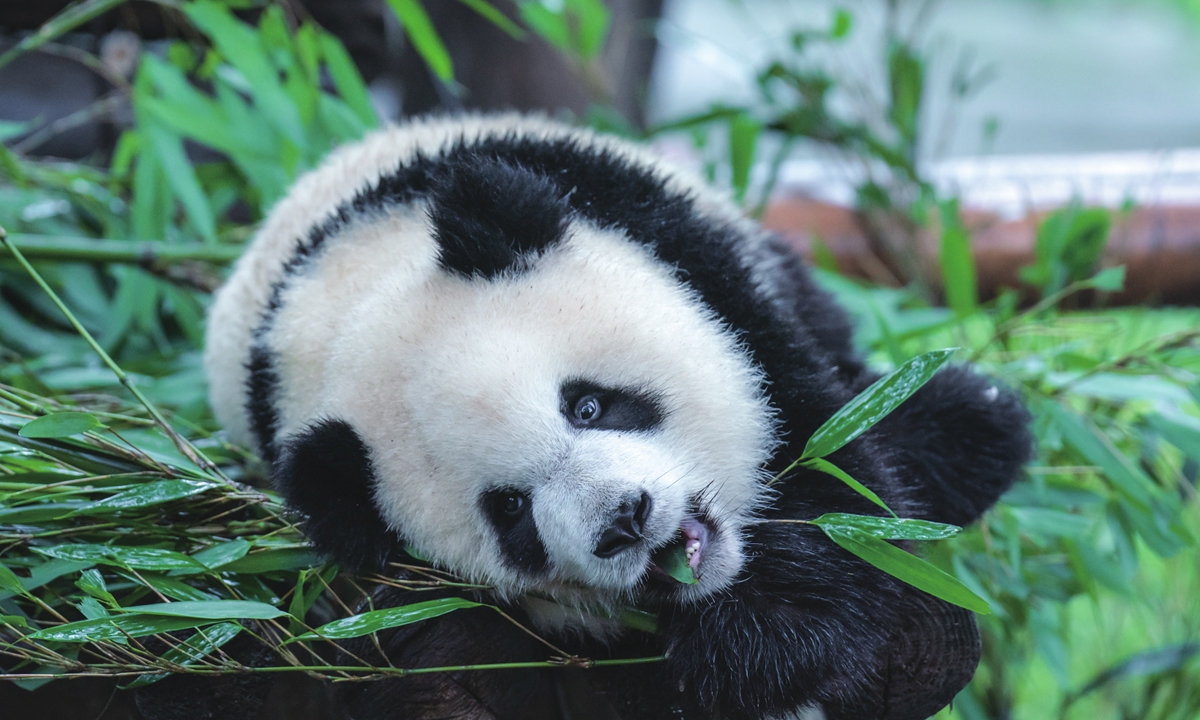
[134,252]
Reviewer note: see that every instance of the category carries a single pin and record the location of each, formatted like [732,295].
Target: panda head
[524,397]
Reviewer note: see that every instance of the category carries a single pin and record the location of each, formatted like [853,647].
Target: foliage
[122,516]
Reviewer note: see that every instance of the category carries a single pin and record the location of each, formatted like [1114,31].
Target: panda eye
[588,408]
[514,504]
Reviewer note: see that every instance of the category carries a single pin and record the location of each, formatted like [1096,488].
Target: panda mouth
[682,559]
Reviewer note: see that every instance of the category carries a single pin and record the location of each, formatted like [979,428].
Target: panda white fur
[535,356]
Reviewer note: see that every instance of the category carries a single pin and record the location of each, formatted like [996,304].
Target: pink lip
[696,536]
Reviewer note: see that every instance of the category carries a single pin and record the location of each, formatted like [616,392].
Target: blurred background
[1020,178]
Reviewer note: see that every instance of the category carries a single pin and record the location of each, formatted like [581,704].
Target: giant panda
[537,356]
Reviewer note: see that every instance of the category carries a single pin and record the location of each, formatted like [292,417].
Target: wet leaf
[154,493]
[907,567]
[137,558]
[376,620]
[219,555]
[116,628]
[205,642]
[827,467]
[211,609]
[874,403]
[888,528]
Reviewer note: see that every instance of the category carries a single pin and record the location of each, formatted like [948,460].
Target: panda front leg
[811,626]
[958,443]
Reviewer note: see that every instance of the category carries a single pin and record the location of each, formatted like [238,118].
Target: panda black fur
[535,355]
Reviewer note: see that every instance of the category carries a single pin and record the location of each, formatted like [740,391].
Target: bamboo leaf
[743,138]
[10,582]
[907,567]
[347,80]
[376,620]
[154,493]
[59,425]
[116,628]
[69,19]
[211,609]
[205,642]
[1091,444]
[497,18]
[1110,279]
[888,528]
[874,403]
[673,560]
[222,554]
[182,178]
[958,267]
[425,40]
[137,558]
[241,46]
[92,583]
[825,466]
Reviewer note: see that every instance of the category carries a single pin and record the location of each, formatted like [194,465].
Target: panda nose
[626,528]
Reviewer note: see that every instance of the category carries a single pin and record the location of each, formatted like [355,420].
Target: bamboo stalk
[135,252]
[191,453]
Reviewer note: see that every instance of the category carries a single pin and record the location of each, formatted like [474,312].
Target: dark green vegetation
[122,515]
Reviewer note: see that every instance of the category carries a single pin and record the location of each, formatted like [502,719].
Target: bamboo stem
[189,451]
[134,252]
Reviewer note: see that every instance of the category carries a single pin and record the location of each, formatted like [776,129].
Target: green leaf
[743,138]
[1110,279]
[92,583]
[182,178]
[346,79]
[116,628]
[874,403]
[63,424]
[71,17]
[958,267]
[211,609]
[169,586]
[1098,450]
[497,18]
[843,21]
[154,493]
[425,40]
[590,21]
[1150,662]
[673,560]
[137,558]
[549,25]
[205,642]
[272,560]
[241,46]
[1178,428]
[219,555]
[376,620]
[906,77]
[907,567]
[888,528]
[10,582]
[825,466]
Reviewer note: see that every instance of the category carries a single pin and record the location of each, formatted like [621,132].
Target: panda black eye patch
[508,510]
[589,405]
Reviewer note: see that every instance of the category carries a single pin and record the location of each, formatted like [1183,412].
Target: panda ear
[325,472]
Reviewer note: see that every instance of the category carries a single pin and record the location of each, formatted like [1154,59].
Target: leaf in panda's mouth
[674,561]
